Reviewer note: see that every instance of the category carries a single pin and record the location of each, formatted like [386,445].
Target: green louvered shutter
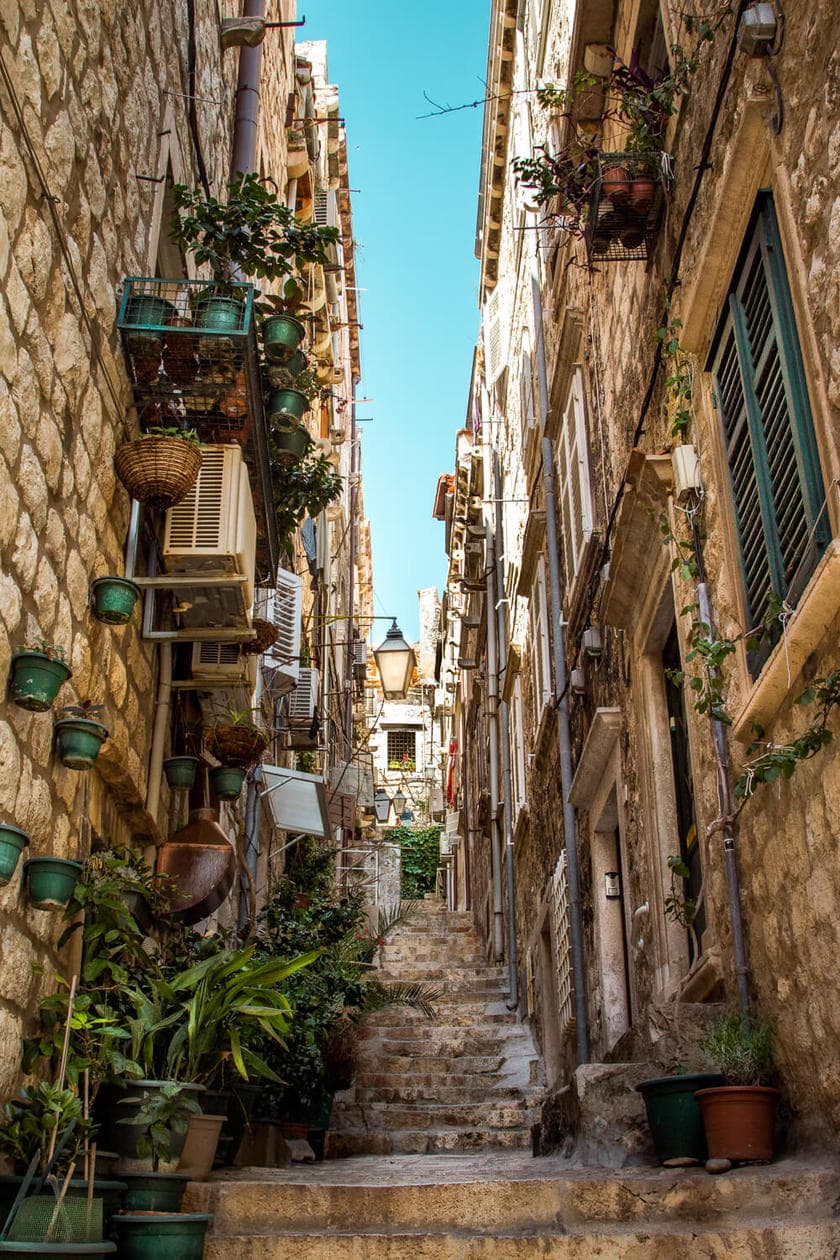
[771,449]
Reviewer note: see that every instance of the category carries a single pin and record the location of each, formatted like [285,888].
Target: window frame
[573,458]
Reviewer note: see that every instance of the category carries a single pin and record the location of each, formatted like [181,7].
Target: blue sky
[414,217]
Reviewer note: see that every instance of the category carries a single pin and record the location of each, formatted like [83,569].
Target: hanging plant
[79,736]
[36,673]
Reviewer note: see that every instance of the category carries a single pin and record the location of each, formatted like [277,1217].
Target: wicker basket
[159,471]
[238,746]
[267,636]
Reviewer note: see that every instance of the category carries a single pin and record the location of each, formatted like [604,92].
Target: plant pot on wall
[282,334]
[35,679]
[180,771]
[227,781]
[291,442]
[223,314]
[50,881]
[112,599]
[77,742]
[674,1116]
[739,1121]
[159,471]
[12,843]
[286,402]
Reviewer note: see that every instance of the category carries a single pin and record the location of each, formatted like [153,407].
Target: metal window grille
[563,945]
[402,746]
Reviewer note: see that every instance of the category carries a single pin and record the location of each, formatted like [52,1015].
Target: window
[517,750]
[402,750]
[650,47]
[526,389]
[760,393]
[540,645]
[573,480]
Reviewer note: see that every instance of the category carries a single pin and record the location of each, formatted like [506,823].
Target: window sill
[808,625]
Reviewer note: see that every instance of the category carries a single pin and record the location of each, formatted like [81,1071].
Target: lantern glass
[400,802]
[395,662]
[381,805]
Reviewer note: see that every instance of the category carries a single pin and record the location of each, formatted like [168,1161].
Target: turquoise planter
[180,771]
[162,1237]
[146,310]
[223,314]
[113,600]
[58,1251]
[674,1116]
[227,782]
[287,402]
[77,742]
[35,680]
[296,364]
[282,334]
[291,442]
[50,881]
[12,843]
[154,1192]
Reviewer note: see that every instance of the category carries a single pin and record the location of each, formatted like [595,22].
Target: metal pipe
[504,720]
[246,121]
[564,744]
[493,740]
[161,727]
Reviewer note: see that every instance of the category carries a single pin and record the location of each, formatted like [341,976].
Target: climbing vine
[420,855]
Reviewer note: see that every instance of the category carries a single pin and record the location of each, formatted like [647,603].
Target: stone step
[452,1045]
[433,1093]
[513,1193]
[451,986]
[437,1065]
[407,1019]
[433,970]
[349,1142]
[486,1081]
[385,1117]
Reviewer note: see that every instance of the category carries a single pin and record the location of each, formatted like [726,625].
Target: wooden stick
[86,1115]
[62,1067]
[60,1201]
[91,1175]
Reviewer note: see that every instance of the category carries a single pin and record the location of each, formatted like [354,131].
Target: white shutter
[573,478]
[284,607]
[526,391]
[303,700]
[563,945]
[494,357]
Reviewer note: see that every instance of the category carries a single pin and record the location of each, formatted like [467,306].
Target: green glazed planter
[50,881]
[180,771]
[674,1116]
[296,364]
[164,1237]
[291,442]
[12,843]
[35,680]
[154,1192]
[77,742]
[113,599]
[227,782]
[282,334]
[287,402]
[145,309]
[223,314]
[58,1251]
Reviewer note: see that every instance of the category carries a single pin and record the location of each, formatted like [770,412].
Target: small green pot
[227,782]
[291,442]
[297,363]
[287,402]
[224,314]
[180,771]
[35,679]
[162,1237]
[112,599]
[50,881]
[12,843]
[674,1116]
[154,1192]
[146,310]
[77,742]
[282,334]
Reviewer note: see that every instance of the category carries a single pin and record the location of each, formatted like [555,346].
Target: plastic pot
[12,843]
[124,1130]
[674,1117]
[77,742]
[291,442]
[615,184]
[643,194]
[154,1192]
[282,334]
[180,771]
[50,881]
[287,402]
[35,679]
[146,309]
[113,599]
[163,1236]
[227,781]
[221,313]
[296,364]
[739,1121]
[200,1147]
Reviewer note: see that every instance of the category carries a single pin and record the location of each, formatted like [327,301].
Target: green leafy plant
[742,1049]
[173,431]
[679,381]
[301,489]
[162,1116]
[51,650]
[678,907]
[420,858]
[36,1120]
[773,761]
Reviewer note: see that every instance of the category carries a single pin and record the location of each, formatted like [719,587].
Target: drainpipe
[564,744]
[493,740]
[164,699]
[513,960]
[244,150]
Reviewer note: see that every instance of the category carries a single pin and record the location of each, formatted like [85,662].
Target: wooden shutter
[768,430]
[494,358]
[573,478]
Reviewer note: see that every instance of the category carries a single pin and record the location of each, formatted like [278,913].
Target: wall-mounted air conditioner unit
[213,532]
[300,708]
[360,659]
[223,664]
[282,607]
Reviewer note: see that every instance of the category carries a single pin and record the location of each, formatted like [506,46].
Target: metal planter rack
[624,215]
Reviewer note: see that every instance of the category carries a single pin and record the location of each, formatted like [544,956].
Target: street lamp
[400,802]
[395,663]
[381,805]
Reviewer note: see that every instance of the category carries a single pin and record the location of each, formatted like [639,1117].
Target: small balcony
[625,207]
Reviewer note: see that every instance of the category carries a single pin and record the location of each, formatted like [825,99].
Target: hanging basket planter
[180,771]
[227,781]
[77,742]
[50,881]
[12,843]
[267,635]
[239,746]
[282,334]
[113,599]
[283,403]
[35,679]
[159,471]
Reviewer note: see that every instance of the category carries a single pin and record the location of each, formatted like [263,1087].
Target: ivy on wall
[420,858]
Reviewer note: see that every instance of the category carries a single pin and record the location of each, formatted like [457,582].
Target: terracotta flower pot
[200,1147]
[642,194]
[739,1121]
[616,185]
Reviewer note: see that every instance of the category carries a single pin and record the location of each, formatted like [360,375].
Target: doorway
[689,846]
[611,923]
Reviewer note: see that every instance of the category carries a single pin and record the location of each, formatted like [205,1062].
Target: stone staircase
[467,1081]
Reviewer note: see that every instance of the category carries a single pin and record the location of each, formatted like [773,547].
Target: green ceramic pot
[77,742]
[35,680]
[145,310]
[674,1116]
[224,314]
[282,334]
[154,1192]
[58,1251]
[113,599]
[296,364]
[287,402]
[162,1237]
[12,843]
[180,771]
[291,442]
[50,881]
[227,782]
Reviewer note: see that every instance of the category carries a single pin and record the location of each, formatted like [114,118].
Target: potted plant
[160,467]
[37,671]
[79,736]
[12,843]
[266,635]
[235,738]
[112,599]
[180,771]
[282,331]
[739,1117]
[50,881]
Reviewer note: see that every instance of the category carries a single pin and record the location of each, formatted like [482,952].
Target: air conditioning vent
[283,606]
[223,663]
[303,701]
